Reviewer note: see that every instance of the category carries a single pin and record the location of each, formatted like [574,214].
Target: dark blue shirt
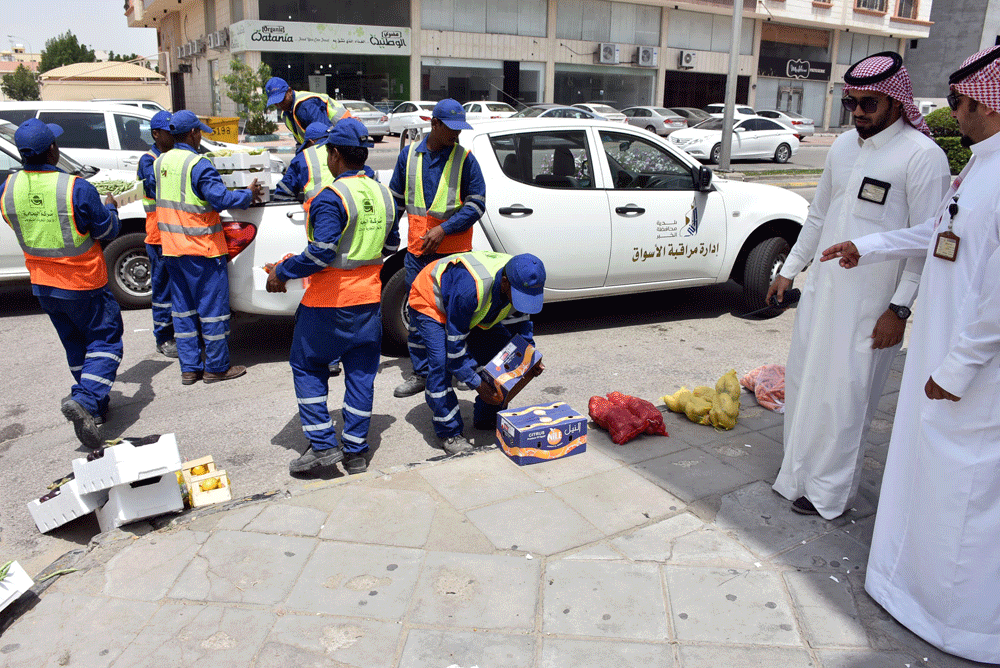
[145,172]
[91,216]
[297,175]
[208,185]
[310,110]
[472,190]
[328,218]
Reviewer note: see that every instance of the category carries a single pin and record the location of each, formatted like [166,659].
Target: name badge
[873,190]
[946,247]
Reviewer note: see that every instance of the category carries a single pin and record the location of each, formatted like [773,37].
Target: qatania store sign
[302,37]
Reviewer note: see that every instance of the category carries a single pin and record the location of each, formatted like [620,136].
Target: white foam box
[242,161]
[125,463]
[64,504]
[199,497]
[243,179]
[139,500]
[16,583]
[133,195]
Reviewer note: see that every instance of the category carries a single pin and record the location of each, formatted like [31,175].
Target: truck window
[80,129]
[548,159]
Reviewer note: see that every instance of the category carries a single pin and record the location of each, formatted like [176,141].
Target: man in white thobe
[885,174]
[935,557]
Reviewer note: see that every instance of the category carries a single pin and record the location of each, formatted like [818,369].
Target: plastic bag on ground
[617,420]
[767,382]
[650,415]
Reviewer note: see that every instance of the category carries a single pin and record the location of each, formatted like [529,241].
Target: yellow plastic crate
[224,128]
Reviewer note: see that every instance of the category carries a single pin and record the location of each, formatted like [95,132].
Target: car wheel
[762,267]
[782,153]
[130,274]
[716,153]
[377,138]
[651,129]
[395,314]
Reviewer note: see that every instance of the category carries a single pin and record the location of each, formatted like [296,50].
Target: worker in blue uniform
[59,221]
[298,109]
[163,324]
[352,223]
[440,185]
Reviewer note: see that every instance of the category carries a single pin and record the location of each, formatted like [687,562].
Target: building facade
[792,54]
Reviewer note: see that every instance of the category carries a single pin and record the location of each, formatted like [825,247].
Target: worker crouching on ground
[467,307]
[351,224]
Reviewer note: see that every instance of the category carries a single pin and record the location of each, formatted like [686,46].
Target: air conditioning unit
[647,56]
[186,50]
[607,54]
[180,52]
[197,46]
[218,39]
[184,68]
[687,60]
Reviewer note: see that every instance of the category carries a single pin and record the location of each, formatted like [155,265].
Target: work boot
[315,459]
[356,463]
[83,423]
[167,348]
[190,377]
[453,445]
[228,374]
[335,369]
[413,385]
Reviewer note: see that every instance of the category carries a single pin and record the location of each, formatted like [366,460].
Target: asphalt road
[646,345]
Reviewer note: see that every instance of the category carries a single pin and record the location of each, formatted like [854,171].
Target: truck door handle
[514,210]
[629,208]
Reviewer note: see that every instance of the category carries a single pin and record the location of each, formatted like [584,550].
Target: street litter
[767,382]
[718,407]
[535,434]
[14,582]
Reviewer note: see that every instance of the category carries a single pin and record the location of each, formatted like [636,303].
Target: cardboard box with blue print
[509,369]
[536,434]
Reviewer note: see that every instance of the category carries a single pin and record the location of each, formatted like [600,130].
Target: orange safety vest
[149,206]
[447,201]
[427,298]
[39,208]
[353,278]
[188,224]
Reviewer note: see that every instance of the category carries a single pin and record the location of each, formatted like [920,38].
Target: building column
[659,94]
[755,59]
[550,58]
[828,107]
[415,50]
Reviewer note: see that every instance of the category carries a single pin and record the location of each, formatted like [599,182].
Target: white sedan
[486,110]
[604,111]
[410,116]
[804,127]
[753,137]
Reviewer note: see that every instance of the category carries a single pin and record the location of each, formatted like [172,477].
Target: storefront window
[616,87]
[369,13]
[500,17]
[377,79]
[468,80]
[601,21]
[707,32]
[855,46]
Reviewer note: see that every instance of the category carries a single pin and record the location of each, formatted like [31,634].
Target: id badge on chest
[946,245]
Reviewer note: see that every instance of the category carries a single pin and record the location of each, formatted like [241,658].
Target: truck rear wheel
[130,274]
[762,267]
[395,314]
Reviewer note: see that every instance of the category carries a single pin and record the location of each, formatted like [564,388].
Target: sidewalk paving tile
[692,433]
[451,531]
[146,570]
[288,520]
[755,417]
[730,605]
[477,480]
[609,599]
[729,656]
[381,516]
[566,653]
[692,474]
[711,547]
[826,610]
[617,500]
[476,591]
[305,641]
[437,649]
[568,469]
[364,580]
[869,659]
[537,523]
[755,454]
[204,635]
[235,520]
[683,539]
[596,552]
[832,553]
[655,542]
[240,567]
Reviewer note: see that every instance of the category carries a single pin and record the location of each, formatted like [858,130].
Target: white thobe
[935,557]
[833,379]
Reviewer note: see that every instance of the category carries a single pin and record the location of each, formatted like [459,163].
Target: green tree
[21,84]
[64,50]
[246,89]
[945,131]
[121,57]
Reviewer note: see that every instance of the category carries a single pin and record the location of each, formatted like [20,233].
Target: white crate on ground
[243,179]
[139,500]
[63,505]
[14,584]
[242,161]
[125,462]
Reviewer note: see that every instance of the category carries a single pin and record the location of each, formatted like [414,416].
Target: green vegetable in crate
[724,411]
[115,186]
[729,384]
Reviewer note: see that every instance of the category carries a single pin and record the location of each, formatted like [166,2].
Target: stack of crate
[14,582]
[239,170]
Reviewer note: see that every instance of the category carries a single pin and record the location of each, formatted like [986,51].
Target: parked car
[556,111]
[803,126]
[603,110]
[376,122]
[410,116]
[109,136]
[753,137]
[740,111]
[485,110]
[128,266]
[142,104]
[693,116]
[655,119]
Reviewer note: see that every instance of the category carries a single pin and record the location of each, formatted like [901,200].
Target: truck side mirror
[702,178]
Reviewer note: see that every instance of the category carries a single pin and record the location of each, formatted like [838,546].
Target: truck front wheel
[762,267]
[395,314]
[130,274]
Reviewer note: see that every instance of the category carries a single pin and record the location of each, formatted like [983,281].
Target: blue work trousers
[322,336]
[412,264]
[482,345]
[199,292]
[90,329]
[163,323]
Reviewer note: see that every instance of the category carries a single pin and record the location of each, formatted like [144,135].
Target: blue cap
[526,275]
[160,121]
[185,121]
[33,137]
[451,113]
[275,90]
[316,130]
[347,132]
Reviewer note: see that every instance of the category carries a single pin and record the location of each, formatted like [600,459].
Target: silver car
[658,120]
[376,121]
[605,111]
[804,127]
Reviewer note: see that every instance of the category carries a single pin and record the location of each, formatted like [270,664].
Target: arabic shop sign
[793,68]
[300,37]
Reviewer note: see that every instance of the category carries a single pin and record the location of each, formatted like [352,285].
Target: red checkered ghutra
[984,84]
[897,87]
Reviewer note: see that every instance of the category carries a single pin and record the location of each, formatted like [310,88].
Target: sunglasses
[954,99]
[867,104]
